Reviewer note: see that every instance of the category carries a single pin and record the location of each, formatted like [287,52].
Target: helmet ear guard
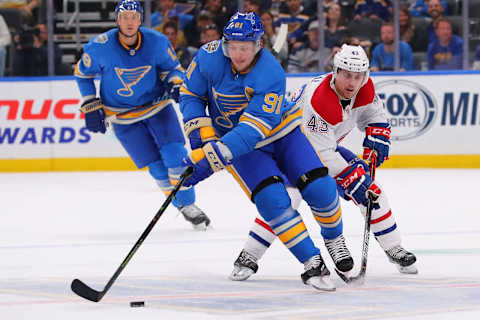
[351,58]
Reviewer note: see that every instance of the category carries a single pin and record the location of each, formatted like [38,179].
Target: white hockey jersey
[326,122]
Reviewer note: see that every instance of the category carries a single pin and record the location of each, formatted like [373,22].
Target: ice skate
[244,267]
[195,216]
[340,255]
[317,275]
[402,259]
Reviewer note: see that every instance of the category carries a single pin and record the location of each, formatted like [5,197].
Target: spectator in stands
[173,17]
[209,33]
[294,15]
[417,39]
[193,29]
[476,61]
[435,11]
[305,57]
[352,41]
[5,40]
[373,9]
[25,6]
[420,8]
[253,6]
[383,54]
[170,29]
[446,51]
[218,11]
[167,10]
[335,27]
[270,36]
[31,56]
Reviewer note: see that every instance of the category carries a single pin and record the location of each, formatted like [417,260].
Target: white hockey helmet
[351,58]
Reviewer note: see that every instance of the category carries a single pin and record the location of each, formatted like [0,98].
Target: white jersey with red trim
[326,122]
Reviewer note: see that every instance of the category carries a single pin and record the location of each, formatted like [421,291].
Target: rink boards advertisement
[435,121]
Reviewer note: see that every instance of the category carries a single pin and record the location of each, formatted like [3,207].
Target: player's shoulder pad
[211,46]
[152,36]
[326,103]
[267,72]
[365,95]
[100,42]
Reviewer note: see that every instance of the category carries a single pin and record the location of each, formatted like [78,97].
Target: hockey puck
[136,304]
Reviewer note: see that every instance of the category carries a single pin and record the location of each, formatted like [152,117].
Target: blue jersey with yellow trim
[129,76]
[246,107]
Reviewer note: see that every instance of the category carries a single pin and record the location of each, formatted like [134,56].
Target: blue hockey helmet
[128,5]
[243,27]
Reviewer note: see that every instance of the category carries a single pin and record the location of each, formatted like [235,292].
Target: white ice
[55,227]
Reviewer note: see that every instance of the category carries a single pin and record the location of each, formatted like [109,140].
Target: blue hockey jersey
[248,109]
[129,77]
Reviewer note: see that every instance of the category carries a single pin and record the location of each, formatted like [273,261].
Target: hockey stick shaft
[366,233]
[368,218]
[145,106]
[88,293]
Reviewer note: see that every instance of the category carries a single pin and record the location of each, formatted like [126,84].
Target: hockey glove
[94,115]
[205,161]
[173,90]
[357,184]
[377,140]
[199,131]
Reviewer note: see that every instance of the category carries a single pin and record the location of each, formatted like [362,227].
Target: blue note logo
[129,78]
[411,108]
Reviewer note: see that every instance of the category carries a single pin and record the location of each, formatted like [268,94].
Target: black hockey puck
[136,304]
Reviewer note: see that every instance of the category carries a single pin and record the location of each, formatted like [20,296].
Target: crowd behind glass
[430,32]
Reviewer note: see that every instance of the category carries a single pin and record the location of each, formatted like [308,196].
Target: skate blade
[240,274]
[321,283]
[411,269]
[201,227]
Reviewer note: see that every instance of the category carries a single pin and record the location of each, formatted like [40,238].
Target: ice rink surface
[59,226]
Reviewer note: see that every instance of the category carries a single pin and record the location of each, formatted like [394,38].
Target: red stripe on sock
[264,224]
[385,216]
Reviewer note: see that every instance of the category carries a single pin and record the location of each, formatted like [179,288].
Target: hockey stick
[360,277]
[281,38]
[110,119]
[88,293]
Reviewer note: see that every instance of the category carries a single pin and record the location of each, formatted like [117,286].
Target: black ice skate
[244,267]
[195,216]
[317,275]
[340,255]
[403,260]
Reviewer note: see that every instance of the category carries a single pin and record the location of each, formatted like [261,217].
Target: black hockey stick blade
[93,295]
[85,291]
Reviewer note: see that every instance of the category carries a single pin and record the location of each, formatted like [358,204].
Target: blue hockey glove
[377,140]
[199,131]
[205,161]
[173,90]
[94,115]
[357,184]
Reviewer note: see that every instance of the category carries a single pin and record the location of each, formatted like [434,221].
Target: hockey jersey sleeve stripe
[184,90]
[250,116]
[262,130]
[79,74]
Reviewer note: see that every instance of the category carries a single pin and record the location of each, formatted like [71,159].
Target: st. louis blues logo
[129,78]
[230,106]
